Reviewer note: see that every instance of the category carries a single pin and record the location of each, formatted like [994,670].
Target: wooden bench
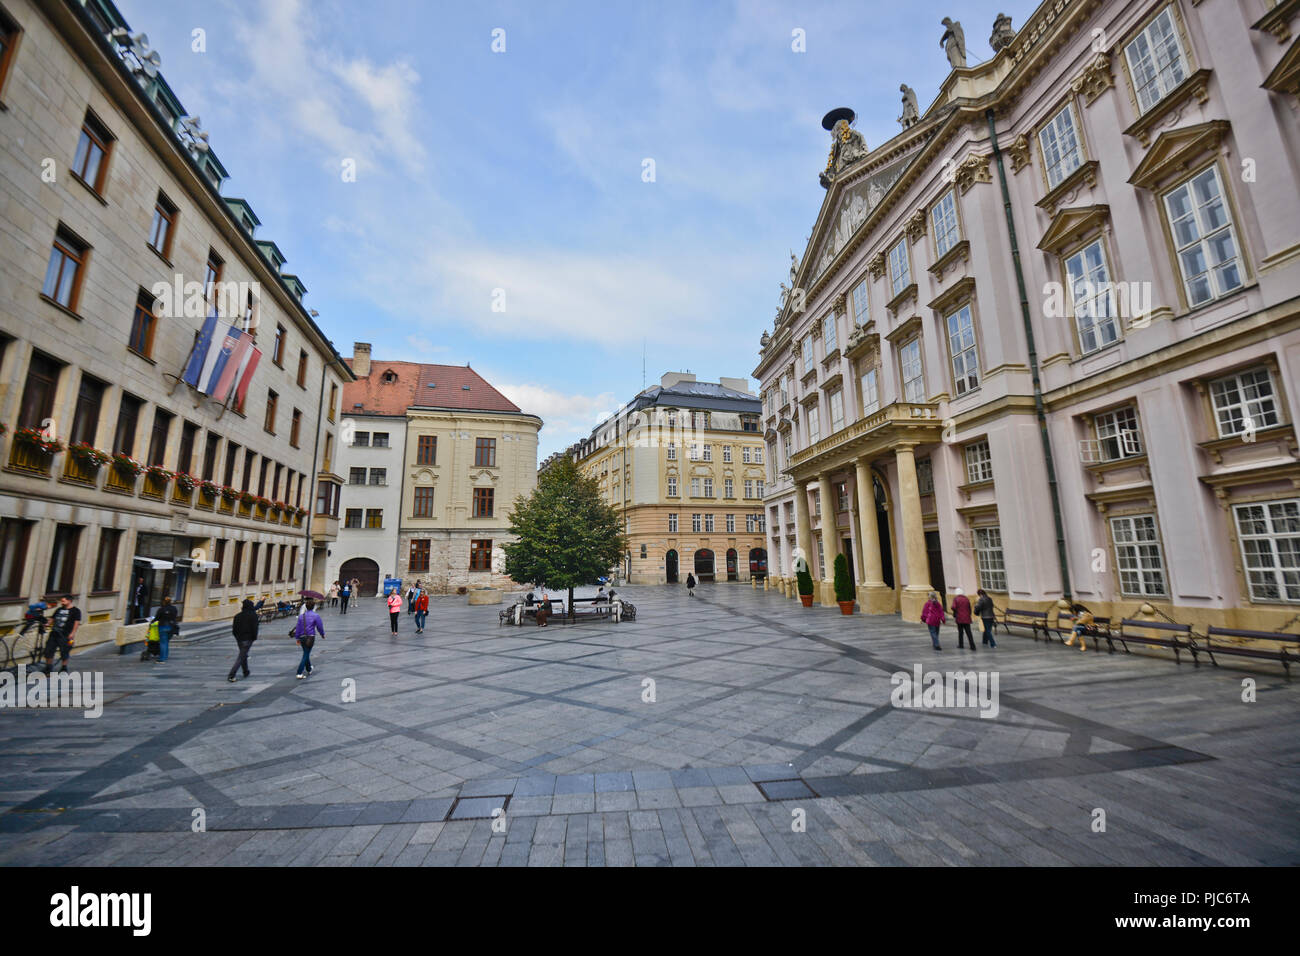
[1179,636]
[1100,628]
[1034,620]
[1279,654]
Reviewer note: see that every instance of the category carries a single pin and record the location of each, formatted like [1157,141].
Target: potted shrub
[37,439]
[89,455]
[127,465]
[805,587]
[844,593]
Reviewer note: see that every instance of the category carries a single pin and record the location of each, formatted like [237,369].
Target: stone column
[802,529]
[917,587]
[873,596]
[830,538]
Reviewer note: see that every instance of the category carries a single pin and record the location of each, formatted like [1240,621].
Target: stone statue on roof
[1003,34]
[953,42]
[910,113]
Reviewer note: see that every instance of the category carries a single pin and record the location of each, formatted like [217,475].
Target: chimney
[360,359]
[672,378]
[736,384]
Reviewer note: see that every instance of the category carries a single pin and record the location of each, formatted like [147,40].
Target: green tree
[567,535]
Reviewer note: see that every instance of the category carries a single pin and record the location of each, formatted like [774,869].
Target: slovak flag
[233,365]
[214,366]
[246,369]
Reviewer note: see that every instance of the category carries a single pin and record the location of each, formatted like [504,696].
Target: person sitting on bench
[1083,625]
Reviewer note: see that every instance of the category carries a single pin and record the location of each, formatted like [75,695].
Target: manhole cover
[793,789]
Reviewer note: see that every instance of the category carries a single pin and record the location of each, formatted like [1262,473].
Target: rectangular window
[483,501]
[695,487]
[1060,145]
[424,502]
[726,454]
[15,535]
[302,368]
[163,226]
[361,439]
[379,476]
[672,452]
[277,347]
[708,523]
[1118,435]
[900,269]
[279,564]
[745,455]
[211,447]
[708,487]
[327,501]
[860,306]
[162,426]
[237,566]
[219,559]
[1137,556]
[85,421]
[185,456]
[334,401]
[758,455]
[1156,60]
[696,525]
[708,453]
[356,476]
[842,496]
[275,482]
[961,345]
[480,554]
[1204,239]
[728,488]
[295,428]
[63,560]
[261,476]
[988,559]
[944,215]
[426,450]
[419,554]
[807,354]
[870,392]
[128,419]
[211,276]
[106,559]
[232,450]
[695,451]
[250,458]
[253,553]
[90,161]
[828,334]
[672,522]
[759,487]
[749,487]
[64,271]
[379,440]
[750,522]
[1092,298]
[272,401]
[814,424]
[979,462]
[1244,400]
[924,476]
[672,486]
[837,410]
[352,518]
[909,358]
[485,452]
[143,324]
[374,517]
[1269,533]
[266,567]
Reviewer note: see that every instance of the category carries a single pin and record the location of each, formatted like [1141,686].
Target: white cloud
[565,417]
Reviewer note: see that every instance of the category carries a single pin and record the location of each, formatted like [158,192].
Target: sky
[619,187]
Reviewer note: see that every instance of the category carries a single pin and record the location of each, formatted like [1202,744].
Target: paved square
[645,743]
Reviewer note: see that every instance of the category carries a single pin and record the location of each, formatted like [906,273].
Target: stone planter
[846,607]
[806,600]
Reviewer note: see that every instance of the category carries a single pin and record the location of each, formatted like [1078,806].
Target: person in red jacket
[932,616]
[961,615]
[421,608]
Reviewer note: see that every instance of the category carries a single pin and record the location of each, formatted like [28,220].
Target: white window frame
[1259,411]
[672,522]
[989,562]
[836,401]
[728,488]
[745,454]
[708,452]
[708,523]
[695,487]
[708,487]
[672,452]
[1153,79]
[924,476]
[814,424]
[870,384]
[829,340]
[861,303]
[947,230]
[979,461]
[726,454]
[914,385]
[806,351]
[1264,562]
[1092,299]
[963,351]
[1061,147]
[1202,245]
[672,486]
[731,524]
[1119,434]
[758,454]
[900,267]
[749,487]
[695,522]
[1138,555]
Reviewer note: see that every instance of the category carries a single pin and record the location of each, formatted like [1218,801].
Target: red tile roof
[412,388]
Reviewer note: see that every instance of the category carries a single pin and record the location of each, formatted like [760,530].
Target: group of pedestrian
[932,615]
[62,626]
[305,630]
[341,592]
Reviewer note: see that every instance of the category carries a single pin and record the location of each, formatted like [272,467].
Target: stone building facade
[1043,340]
[116,246]
[683,463]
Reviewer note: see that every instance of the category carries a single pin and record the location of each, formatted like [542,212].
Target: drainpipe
[311,493]
[1039,410]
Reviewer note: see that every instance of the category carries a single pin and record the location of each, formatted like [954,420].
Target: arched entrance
[670,566]
[757,563]
[365,571]
[704,565]
[731,565]
[882,529]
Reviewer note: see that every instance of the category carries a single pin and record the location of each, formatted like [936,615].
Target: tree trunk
[571,617]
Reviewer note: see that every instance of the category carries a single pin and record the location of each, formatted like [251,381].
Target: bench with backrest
[1280,654]
[1034,620]
[1175,637]
[1100,628]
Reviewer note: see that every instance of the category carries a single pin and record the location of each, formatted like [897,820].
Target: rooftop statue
[954,42]
[910,113]
[1003,34]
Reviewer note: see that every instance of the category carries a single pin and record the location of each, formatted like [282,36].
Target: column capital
[905,446]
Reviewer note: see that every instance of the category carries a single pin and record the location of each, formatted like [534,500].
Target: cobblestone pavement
[770,740]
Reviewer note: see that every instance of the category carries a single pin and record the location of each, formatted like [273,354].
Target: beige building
[683,463]
[455,454]
[116,248]
[1043,340]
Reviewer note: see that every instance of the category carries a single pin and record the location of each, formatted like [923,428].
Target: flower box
[37,439]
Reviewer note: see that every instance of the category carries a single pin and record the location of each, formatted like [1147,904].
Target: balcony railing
[122,482]
[28,458]
[900,414]
[80,471]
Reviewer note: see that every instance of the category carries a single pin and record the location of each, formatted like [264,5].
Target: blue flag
[199,355]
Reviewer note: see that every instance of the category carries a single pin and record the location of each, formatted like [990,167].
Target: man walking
[984,611]
[345,592]
[309,625]
[961,615]
[63,628]
[244,627]
[141,600]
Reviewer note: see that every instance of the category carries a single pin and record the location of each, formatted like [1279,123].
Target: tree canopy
[567,535]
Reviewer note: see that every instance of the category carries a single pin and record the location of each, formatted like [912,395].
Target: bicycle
[12,641]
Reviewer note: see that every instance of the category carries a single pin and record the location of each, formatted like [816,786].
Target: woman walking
[334,594]
[166,618]
[394,608]
[244,627]
[961,615]
[690,585]
[421,609]
[984,611]
[932,616]
[309,625]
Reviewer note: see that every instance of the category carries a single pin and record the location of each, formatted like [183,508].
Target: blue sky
[522,170]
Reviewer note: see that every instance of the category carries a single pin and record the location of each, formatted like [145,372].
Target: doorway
[883,532]
[365,571]
[934,554]
[731,565]
[757,563]
[847,545]
[704,565]
[670,566]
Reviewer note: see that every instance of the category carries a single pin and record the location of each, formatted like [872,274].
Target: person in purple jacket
[308,626]
[932,616]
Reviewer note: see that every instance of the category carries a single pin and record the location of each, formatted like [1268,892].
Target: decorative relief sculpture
[916,225]
[1019,151]
[954,43]
[847,144]
[971,170]
[1095,79]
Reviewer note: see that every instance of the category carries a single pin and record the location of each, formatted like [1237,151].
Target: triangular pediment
[1072,224]
[1285,77]
[1177,149]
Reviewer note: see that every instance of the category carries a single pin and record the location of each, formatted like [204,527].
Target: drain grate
[477,808]
[794,788]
